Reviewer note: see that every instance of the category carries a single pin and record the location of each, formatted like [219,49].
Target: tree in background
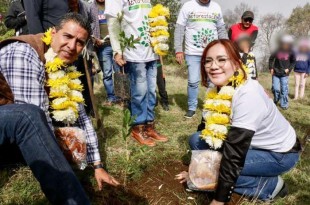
[174,7]
[4,5]
[270,26]
[298,24]
[233,16]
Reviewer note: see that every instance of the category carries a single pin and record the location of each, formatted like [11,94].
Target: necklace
[218,110]
[65,86]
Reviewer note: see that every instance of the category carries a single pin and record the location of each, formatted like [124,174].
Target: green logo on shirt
[144,32]
[203,37]
[139,6]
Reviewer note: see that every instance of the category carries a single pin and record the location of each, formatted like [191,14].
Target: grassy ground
[149,172]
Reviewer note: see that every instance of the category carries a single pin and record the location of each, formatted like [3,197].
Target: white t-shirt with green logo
[135,22]
[201,23]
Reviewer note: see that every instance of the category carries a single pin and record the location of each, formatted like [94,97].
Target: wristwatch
[98,166]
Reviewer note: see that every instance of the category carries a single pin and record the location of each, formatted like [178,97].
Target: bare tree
[233,16]
[270,26]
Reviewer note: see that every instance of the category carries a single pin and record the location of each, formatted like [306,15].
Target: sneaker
[281,190]
[284,108]
[165,106]
[190,114]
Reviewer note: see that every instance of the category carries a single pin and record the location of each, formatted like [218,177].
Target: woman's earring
[236,73]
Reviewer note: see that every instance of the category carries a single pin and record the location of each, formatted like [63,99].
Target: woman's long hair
[233,54]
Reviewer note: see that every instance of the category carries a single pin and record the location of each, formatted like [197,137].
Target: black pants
[161,84]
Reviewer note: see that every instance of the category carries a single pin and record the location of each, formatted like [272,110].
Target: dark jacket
[281,60]
[43,14]
[302,63]
[16,18]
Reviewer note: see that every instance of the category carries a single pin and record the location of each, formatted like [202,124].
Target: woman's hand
[183,177]
[102,176]
[287,71]
[214,202]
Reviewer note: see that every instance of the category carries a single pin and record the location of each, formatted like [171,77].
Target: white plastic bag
[204,170]
[72,141]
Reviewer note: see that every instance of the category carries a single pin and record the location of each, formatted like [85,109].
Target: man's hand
[287,71]
[214,202]
[180,58]
[119,60]
[272,71]
[306,75]
[102,176]
[98,43]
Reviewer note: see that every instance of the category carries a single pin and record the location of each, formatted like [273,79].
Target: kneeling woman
[242,122]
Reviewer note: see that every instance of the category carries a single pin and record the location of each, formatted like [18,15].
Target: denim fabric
[193,63]
[259,175]
[142,85]
[26,126]
[107,64]
[280,90]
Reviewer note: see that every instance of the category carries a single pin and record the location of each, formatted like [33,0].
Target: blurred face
[219,67]
[244,46]
[285,46]
[204,1]
[69,41]
[247,22]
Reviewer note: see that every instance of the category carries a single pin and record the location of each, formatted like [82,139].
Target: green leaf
[140,29]
[146,45]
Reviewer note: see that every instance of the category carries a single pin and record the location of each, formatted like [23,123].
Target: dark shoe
[190,114]
[138,133]
[165,106]
[108,103]
[152,133]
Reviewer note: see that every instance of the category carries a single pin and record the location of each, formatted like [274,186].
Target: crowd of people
[39,86]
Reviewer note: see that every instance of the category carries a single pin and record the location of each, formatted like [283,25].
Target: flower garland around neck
[217,110]
[159,29]
[65,86]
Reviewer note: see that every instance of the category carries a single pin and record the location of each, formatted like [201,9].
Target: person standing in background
[44,14]
[140,63]
[281,63]
[302,68]
[16,18]
[201,22]
[161,85]
[104,50]
[245,27]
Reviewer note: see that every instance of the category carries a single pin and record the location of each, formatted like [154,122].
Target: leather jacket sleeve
[234,152]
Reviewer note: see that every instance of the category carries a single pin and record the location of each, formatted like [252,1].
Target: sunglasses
[248,20]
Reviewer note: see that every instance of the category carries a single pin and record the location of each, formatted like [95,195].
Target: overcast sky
[284,7]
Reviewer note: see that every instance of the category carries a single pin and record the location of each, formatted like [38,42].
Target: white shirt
[201,23]
[252,109]
[135,22]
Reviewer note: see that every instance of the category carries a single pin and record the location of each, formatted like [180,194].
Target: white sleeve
[248,110]
[183,16]
[113,8]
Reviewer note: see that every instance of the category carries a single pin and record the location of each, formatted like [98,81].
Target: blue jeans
[193,63]
[259,175]
[142,86]
[26,126]
[107,64]
[280,90]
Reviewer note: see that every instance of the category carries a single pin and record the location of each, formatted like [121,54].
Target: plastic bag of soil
[122,84]
[204,170]
[72,141]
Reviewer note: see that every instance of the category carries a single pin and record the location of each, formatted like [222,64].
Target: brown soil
[157,186]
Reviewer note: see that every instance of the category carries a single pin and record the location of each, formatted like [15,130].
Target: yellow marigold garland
[217,110]
[64,85]
[159,29]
